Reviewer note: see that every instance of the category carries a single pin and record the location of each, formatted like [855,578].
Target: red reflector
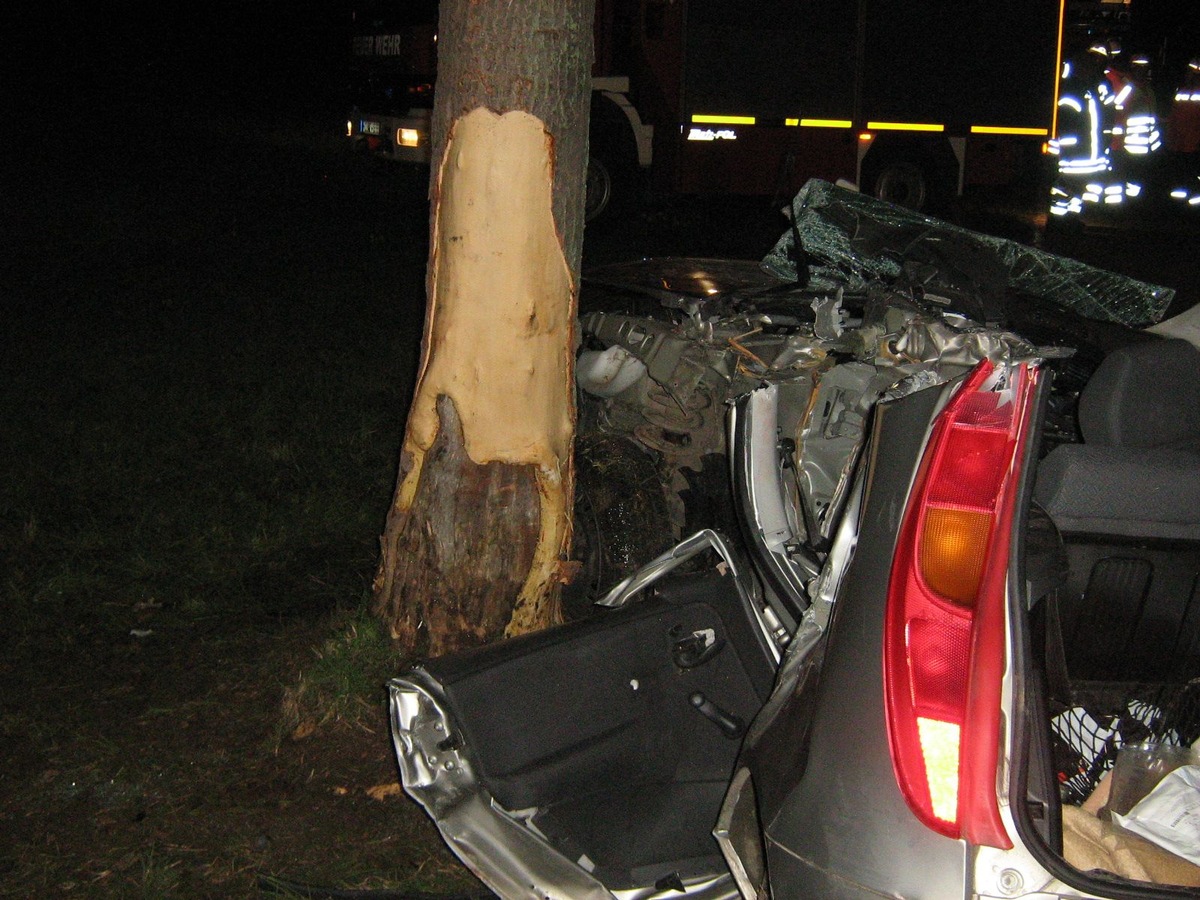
[940,652]
[944,635]
[971,467]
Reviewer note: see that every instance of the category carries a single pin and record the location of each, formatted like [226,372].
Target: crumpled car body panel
[503,851]
[764,384]
[850,239]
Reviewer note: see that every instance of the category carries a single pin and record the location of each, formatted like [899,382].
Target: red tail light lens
[945,624]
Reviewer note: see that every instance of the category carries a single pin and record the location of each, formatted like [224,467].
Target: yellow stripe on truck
[904,126]
[1004,129]
[723,120]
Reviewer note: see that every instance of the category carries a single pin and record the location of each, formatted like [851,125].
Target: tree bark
[476,540]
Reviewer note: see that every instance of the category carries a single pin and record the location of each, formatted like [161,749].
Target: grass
[159,880]
[342,683]
[203,390]
[203,454]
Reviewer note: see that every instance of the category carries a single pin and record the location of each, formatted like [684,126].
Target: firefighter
[1083,159]
[1106,128]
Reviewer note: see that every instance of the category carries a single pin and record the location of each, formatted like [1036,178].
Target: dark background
[210,317]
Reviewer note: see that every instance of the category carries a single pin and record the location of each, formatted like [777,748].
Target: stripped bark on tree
[477,536]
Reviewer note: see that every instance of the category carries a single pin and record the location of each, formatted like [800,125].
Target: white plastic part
[606,373]
[1186,325]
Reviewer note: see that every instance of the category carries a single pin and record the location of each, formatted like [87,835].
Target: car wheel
[611,184]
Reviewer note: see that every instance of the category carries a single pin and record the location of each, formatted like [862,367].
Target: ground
[162,775]
[210,334]
[205,368]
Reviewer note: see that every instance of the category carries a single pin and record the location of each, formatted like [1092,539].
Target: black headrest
[1144,395]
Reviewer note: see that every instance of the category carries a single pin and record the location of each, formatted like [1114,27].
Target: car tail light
[944,637]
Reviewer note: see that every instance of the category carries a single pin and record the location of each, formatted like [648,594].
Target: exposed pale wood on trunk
[476,540]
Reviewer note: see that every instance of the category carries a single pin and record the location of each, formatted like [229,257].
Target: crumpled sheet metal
[853,240]
[512,859]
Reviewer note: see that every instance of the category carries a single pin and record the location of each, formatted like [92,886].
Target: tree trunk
[476,541]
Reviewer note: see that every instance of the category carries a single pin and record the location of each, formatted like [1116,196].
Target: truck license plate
[366,126]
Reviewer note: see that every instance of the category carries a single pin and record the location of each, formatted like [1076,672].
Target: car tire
[612,180]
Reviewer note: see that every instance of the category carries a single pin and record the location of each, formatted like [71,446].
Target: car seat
[1137,473]
[1127,503]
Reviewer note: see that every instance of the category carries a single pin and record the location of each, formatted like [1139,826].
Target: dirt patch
[161,773]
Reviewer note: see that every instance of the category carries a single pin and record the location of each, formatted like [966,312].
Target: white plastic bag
[1169,815]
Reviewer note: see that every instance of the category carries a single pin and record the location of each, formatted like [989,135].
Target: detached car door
[592,759]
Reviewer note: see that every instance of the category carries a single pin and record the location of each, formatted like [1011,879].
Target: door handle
[696,649]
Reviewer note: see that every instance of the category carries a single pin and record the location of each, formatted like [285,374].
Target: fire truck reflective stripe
[810,123]
[723,120]
[875,126]
[1005,129]
[1060,65]
[904,126]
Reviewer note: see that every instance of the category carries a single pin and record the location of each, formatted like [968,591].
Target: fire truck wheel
[902,183]
[598,189]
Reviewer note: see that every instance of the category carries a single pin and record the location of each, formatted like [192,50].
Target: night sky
[80,55]
[85,58]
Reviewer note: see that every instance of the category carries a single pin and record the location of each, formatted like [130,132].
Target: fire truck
[913,102]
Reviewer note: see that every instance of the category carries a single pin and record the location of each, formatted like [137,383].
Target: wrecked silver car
[885,537]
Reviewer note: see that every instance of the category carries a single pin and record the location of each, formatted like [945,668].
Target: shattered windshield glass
[850,240]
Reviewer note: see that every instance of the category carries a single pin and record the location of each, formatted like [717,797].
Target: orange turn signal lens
[954,546]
